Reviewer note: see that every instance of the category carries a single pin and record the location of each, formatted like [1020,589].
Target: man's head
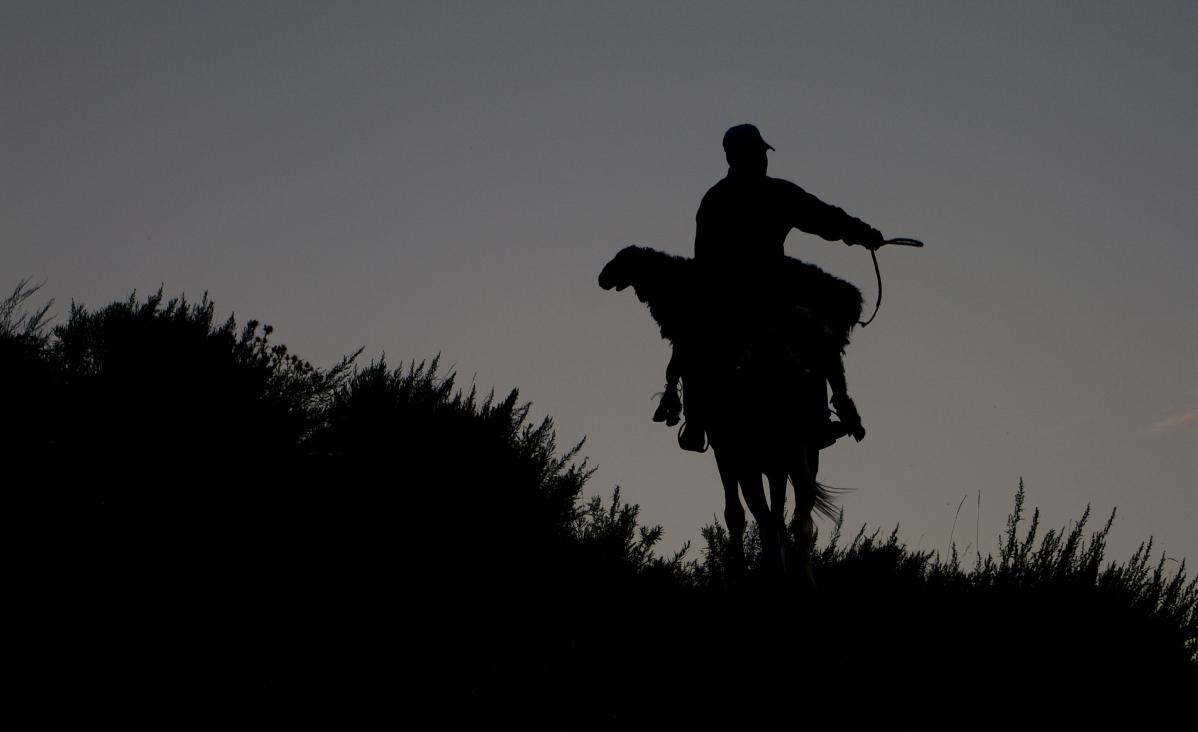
[745,149]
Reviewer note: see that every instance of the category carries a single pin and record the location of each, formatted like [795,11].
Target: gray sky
[445,177]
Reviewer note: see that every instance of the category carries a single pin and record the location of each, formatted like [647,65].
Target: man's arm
[813,216]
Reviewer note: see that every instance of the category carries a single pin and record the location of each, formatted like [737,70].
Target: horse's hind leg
[803,478]
[734,512]
[777,481]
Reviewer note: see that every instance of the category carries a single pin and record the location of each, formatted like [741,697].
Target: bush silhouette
[205,479]
[206,515]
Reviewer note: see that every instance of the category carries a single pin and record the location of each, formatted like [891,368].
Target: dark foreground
[202,520]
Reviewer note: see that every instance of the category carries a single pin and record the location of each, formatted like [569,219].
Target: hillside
[202,515]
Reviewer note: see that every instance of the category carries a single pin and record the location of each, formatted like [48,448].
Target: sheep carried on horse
[757,378]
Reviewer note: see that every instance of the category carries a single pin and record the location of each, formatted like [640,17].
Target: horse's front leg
[771,534]
[778,484]
[734,513]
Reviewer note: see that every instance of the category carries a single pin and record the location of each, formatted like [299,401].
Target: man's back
[743,221]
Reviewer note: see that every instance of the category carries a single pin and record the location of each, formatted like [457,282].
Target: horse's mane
[680,301]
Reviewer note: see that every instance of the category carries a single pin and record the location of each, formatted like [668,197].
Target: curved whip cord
[873,253]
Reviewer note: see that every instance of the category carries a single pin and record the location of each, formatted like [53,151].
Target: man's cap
[744,137]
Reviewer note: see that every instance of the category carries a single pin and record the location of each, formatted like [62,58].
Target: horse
[789,354]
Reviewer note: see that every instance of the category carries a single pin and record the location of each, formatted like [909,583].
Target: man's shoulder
[784,187]
[713,195]
[720,187]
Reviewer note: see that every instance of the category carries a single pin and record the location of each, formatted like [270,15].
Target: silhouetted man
[740,232]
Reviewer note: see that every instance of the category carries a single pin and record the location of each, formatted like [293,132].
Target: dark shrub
[204,514]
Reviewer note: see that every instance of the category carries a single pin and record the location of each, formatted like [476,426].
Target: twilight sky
[424,178]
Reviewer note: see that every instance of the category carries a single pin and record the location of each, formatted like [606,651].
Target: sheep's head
[619,271]
[625,269]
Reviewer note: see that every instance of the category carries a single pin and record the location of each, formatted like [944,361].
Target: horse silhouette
[760,378]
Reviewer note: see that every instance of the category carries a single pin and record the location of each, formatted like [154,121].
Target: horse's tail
[825,500]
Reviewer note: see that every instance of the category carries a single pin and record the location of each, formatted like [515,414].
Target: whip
[873,253]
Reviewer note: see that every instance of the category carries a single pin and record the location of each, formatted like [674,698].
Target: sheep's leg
[670,406]
[846,410]
[674,368]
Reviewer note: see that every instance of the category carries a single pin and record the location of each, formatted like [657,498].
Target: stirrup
[693,439]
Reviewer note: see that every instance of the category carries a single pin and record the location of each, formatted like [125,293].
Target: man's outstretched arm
[813,216]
